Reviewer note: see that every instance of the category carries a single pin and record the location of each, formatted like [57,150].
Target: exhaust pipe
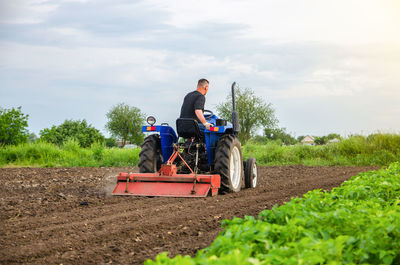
[235,116]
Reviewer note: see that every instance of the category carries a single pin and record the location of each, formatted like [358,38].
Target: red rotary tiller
[167,182]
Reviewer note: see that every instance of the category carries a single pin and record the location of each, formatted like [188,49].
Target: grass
[372,150]
[42,154]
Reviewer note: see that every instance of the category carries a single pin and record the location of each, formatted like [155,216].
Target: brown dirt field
[66,215]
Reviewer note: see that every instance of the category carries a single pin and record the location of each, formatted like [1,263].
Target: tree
[125,122]
[111,142]
[32,137]
[279,134]
[321,140]
[259,139]
[300,138]
[332,136]
[13,126]
[252,110]
[81,131]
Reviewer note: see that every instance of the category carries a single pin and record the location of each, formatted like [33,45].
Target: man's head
[202,86]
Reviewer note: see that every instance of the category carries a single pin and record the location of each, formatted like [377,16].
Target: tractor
[195,162]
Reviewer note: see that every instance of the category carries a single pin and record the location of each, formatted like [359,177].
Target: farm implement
[195,163]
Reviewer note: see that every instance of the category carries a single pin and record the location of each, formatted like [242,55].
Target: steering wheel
[207,114]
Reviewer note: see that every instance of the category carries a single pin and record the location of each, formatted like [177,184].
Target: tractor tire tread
[148,154]
[222,160]
[248,172]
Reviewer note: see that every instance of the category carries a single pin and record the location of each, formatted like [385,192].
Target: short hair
[203,82]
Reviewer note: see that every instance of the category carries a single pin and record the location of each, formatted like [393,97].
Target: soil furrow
[66,215]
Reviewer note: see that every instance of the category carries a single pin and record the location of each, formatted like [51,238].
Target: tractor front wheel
[229,163]
[150,158]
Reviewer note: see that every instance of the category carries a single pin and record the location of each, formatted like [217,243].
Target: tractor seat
[188,128]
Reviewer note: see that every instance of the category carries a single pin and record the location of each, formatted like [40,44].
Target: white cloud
[305,57]
[25,11]
[340,22]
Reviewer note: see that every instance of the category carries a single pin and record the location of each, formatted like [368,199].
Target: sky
[325,66]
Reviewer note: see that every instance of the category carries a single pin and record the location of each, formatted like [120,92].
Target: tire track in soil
[66,215]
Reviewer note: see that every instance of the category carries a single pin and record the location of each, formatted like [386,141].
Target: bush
[97,150]
[38,153]
[111,142]
[13,124]
[81,131]
[71,145]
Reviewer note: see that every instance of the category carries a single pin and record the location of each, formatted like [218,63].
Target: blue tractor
[193,162]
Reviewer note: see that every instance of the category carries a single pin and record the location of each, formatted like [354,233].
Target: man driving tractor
[204,162]
[193,103]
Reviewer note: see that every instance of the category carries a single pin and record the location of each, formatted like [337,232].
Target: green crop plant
[357,223]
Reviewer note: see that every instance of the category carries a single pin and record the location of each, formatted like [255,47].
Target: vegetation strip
[357,223]
[374,150]
[70,154]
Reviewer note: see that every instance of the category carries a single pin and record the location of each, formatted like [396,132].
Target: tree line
[255,114]
[124,123]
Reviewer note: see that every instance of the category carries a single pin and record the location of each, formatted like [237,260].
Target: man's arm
[200,115]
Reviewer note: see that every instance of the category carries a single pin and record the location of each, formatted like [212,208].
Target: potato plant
[357,223]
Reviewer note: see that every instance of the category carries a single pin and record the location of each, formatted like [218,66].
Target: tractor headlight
[151,120]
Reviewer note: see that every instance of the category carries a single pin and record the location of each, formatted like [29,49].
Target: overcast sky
[325,66]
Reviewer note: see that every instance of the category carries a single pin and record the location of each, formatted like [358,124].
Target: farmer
[193,104]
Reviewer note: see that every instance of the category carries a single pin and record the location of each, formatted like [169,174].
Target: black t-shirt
[194,100]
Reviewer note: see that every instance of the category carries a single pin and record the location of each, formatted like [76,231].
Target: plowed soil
[66,215]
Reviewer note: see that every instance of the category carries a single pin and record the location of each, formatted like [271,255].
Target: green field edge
[374,150]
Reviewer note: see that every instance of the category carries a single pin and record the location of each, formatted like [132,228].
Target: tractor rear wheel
[250,173]
[229,163]
[150,158]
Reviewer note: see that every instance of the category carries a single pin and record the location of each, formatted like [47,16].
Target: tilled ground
[66,215]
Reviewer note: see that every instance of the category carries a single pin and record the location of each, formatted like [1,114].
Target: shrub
[97,150]
[81,131]
[13,124]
